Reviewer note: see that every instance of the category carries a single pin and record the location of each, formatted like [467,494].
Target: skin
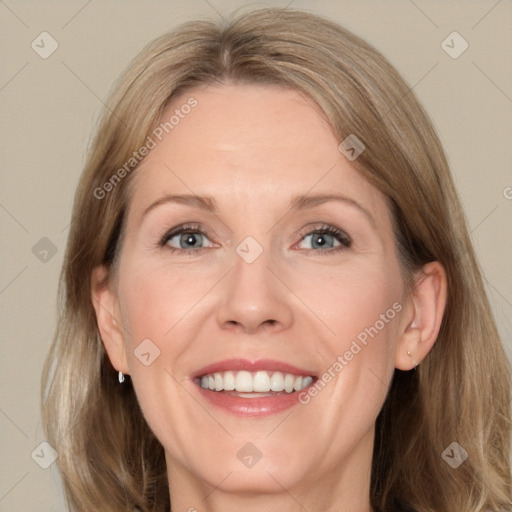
[253,148]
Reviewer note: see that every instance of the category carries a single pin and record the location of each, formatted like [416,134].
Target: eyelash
[341,236]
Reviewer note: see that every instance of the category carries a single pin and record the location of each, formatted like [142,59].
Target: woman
[327,344]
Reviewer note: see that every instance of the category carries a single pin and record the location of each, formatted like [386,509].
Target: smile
[252,388]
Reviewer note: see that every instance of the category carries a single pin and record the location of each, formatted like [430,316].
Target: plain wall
[50,106]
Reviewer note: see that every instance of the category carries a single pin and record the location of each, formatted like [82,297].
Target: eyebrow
[207,203]
[300,202]
[308,201]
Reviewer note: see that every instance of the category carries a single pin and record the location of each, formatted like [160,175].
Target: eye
[327,239]
[185,237]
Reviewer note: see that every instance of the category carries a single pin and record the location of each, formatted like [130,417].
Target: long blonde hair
[108,457]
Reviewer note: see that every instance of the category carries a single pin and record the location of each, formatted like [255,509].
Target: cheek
[367,313]
[362,307]
[155,300]
[157,308]
[358,303]
[167,307]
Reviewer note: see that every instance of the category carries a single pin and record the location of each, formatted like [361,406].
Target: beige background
[50,106]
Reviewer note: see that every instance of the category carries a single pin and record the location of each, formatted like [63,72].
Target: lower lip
[260,406]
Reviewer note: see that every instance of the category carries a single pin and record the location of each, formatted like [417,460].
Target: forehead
[250,143]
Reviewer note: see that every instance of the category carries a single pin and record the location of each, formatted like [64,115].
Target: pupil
[190,239]
[320,240]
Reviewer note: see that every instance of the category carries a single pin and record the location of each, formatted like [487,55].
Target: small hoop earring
[121,377]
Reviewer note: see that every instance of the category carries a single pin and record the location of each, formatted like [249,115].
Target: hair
[109,459]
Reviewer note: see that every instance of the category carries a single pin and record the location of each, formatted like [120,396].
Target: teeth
[289,380]
[243,382]
[261,382]
[219,384]
[257,382]
[229,381]
[277,381]
[306,381]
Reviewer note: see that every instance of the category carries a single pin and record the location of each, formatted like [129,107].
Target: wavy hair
[109,459]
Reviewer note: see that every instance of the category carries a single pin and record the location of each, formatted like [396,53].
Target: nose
[254,299]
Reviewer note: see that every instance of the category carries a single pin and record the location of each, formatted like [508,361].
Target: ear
[111,331]
[428,301]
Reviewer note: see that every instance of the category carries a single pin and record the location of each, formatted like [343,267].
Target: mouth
[252,388]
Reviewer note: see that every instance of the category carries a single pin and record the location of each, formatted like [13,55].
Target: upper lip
[251,366]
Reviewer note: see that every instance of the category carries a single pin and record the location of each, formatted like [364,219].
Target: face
[276,266]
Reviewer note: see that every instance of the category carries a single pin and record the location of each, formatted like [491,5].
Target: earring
[121,377]
[415,364]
